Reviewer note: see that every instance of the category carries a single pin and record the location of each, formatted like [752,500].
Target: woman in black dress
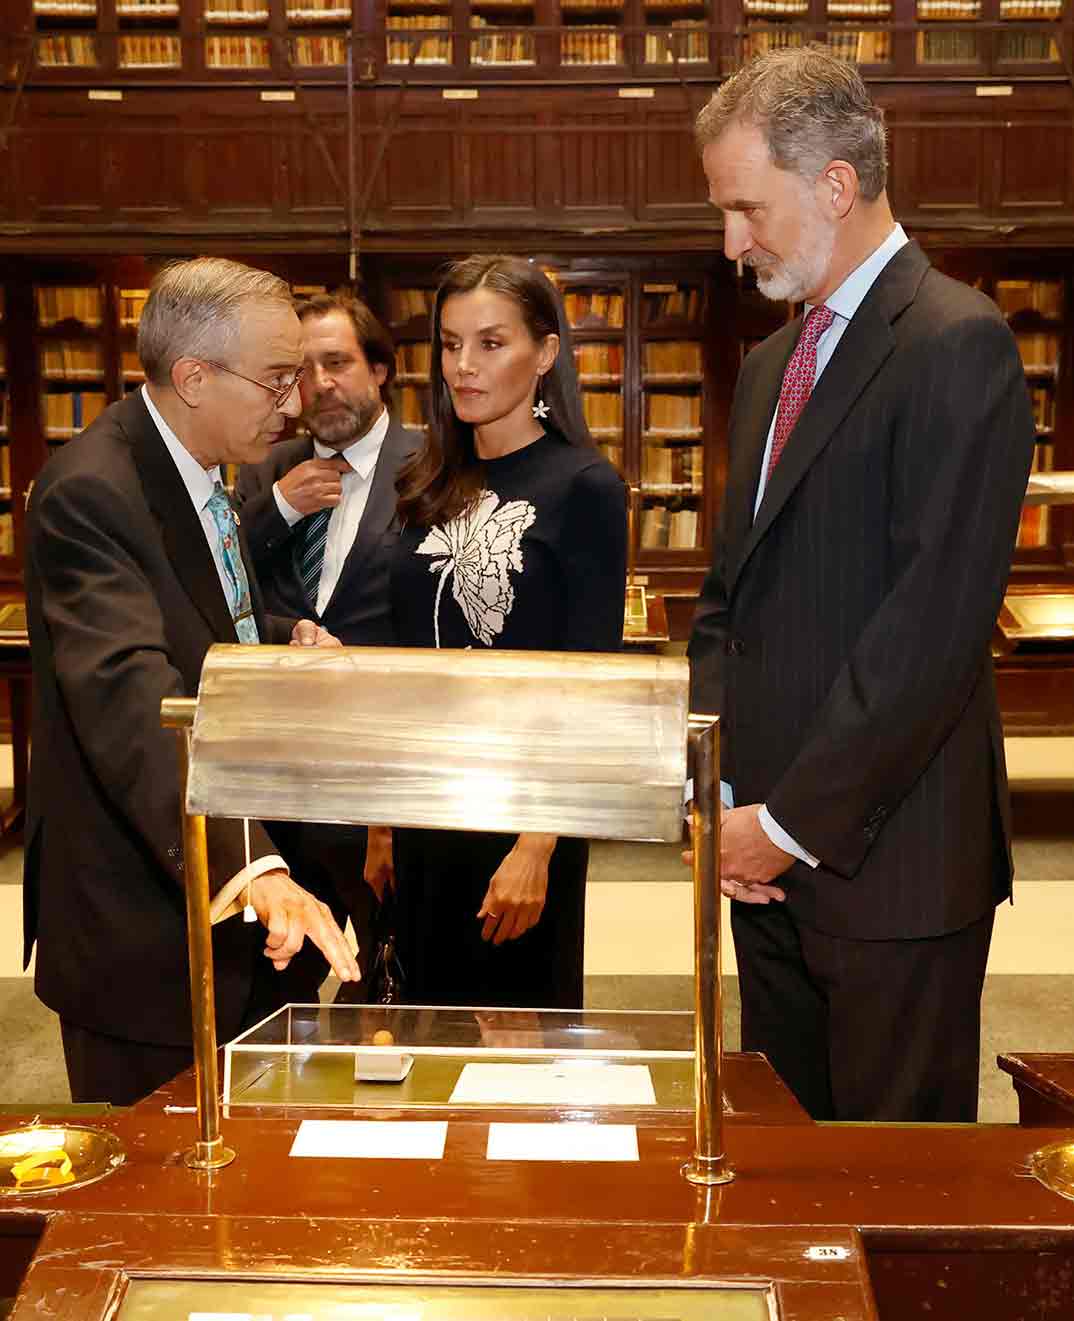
[514,535]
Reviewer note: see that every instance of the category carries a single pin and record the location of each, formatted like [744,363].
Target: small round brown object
[383,1038]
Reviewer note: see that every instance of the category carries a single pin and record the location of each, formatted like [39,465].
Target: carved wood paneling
[596,168]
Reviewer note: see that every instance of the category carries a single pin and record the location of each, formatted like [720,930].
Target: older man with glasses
[135,566]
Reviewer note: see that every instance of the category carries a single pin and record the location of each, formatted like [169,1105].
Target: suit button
[735,647]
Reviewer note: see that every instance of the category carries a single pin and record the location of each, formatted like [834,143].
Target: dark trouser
[101,1067]
[864,1029]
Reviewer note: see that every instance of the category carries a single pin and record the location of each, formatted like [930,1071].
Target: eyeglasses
[280,393]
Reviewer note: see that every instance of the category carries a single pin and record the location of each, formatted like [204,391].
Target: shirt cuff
[727,794]
[288,512]
[230,899]
[782,840]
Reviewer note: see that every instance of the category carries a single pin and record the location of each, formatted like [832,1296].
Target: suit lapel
[181,529]
[866,344]
[379,512]
[750,433]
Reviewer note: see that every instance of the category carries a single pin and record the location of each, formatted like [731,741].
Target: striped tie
[227,528]
[310,553]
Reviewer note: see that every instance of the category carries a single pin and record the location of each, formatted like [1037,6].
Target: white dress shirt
[844,302]
[347,515]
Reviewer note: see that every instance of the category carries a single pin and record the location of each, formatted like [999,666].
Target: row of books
[65,8]
[860,47]
[409,303]
[414,359]
[147,8]
[1038,349]
[1034,525]
[613,453]
[672,412]
[1042,400]
[508,47]
[949,9]
[72,360]
[61,49]
[130,366]
[672,469]
[671,529]
[775,8]
[68,302]
[5,450]
[304,11]
[1035,9]
[4,457]
[603,409]
[314,51]
[673,357]
[421,50]
[859,8]
[131,303]
[412,406]
[599,360]
[594,309]
[689,46]
[1027,48]
[946,47]
[152,50]
[67,411]
[7,532]
[586,44]
[234,52]
[232,11]
[669,303]
[759,43]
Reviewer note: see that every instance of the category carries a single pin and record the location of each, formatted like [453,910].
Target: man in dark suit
[320,517]
[879,449]
[134,569]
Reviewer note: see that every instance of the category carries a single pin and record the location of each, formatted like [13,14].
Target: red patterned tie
[798,380]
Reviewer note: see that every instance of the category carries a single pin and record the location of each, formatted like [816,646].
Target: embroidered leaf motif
[480,546]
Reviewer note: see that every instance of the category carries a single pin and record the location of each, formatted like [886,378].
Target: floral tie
[798,380]
[227,527]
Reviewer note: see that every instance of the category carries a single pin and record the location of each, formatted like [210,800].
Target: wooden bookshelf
[72,370]
[409,305]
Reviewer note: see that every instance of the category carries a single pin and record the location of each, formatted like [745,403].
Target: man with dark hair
[880,445]
[320,518]
[135,566]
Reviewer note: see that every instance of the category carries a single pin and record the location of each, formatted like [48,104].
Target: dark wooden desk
[944,1219]
[1044,1085]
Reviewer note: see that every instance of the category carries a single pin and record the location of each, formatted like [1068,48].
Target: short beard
[791,280]
[342,429]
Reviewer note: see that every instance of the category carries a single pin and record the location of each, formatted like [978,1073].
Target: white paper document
[562,1142]
[371,1139]
[562,1082]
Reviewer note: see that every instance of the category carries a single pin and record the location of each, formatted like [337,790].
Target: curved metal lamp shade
[566,743]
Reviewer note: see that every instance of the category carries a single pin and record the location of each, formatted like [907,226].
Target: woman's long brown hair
[446,475]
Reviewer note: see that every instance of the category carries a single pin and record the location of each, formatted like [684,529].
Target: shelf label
[995,89]
[827,1252]
[637,93]
[104,94]
[459,93]
[281,95]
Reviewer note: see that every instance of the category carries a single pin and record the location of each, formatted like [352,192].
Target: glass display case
[266,1300]
[328,1056]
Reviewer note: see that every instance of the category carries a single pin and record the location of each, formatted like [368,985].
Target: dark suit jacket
[359,612]
[123,601]
[843,635]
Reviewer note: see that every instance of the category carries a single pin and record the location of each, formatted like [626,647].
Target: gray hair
[193,308]
[810,107]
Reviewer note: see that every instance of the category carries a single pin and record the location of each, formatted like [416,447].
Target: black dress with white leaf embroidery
[539,563]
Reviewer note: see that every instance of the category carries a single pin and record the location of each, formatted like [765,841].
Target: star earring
[540,408]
